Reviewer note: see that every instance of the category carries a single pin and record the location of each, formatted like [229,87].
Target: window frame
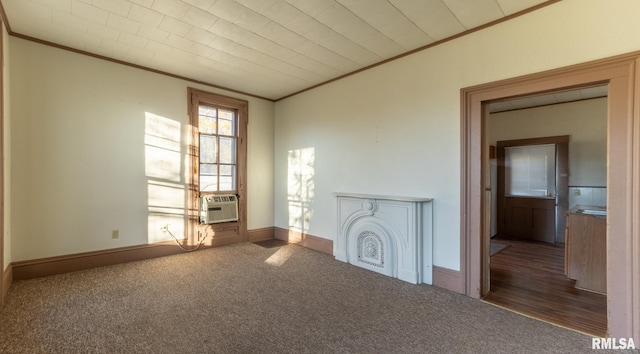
[227,232]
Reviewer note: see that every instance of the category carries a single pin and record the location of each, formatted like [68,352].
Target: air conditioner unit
[218,208]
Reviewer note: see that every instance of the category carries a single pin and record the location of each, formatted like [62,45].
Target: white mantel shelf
[391,235]
[384,197]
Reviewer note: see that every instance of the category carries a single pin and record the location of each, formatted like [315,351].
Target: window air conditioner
[218,208]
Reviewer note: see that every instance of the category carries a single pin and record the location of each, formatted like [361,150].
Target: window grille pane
[207,125]
[208,149]
[225,123]
[207,111]
[207,120]
[208,177]
[227,177]
[227,150]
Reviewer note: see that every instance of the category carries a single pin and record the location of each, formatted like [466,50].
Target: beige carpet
[250,299]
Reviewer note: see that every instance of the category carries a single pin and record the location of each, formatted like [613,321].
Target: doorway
[623,197]
[531,202]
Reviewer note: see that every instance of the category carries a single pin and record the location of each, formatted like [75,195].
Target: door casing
[619,73]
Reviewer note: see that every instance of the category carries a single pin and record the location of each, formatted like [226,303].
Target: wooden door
[533,216]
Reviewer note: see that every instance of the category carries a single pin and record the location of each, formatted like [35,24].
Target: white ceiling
[267,48]
[548,99]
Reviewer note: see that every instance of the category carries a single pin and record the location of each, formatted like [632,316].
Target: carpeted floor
[250,299]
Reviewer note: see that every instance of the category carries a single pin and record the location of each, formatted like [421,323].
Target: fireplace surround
[391,235]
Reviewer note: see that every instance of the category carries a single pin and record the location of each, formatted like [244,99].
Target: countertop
[594,210]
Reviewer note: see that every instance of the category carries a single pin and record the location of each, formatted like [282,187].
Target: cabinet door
[567,246]
[576,245]
[595,273]
[530,218]
[586,260]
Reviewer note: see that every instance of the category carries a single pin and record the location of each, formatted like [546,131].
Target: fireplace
[386,234]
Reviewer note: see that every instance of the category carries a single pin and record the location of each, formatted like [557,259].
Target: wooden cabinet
[586,251]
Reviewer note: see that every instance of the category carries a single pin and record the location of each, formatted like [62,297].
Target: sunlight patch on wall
[163,153]
[301,170]
[166,187]
[167,198]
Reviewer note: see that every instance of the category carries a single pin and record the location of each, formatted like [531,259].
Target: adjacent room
[319,175]
[548,154]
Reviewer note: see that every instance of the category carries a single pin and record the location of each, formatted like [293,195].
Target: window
[530,170]
[218,131]
[218,153]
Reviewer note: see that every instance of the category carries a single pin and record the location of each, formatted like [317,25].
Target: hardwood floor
[528,277]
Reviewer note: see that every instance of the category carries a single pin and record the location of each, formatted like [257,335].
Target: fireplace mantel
[391,235]
[384,197]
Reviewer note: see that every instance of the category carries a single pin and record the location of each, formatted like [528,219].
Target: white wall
[395,129]
[98,146]
[584,121]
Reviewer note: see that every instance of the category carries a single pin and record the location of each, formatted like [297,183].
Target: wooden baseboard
[448,279]
[266,233]
[80,261]
[313,242]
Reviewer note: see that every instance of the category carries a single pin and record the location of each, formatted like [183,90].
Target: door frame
[623,177]
[5,275]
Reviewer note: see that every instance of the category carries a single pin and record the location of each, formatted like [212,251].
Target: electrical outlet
[576,192]
[165,228]
[115,233]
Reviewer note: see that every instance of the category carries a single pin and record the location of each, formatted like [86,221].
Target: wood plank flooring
[528,277]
